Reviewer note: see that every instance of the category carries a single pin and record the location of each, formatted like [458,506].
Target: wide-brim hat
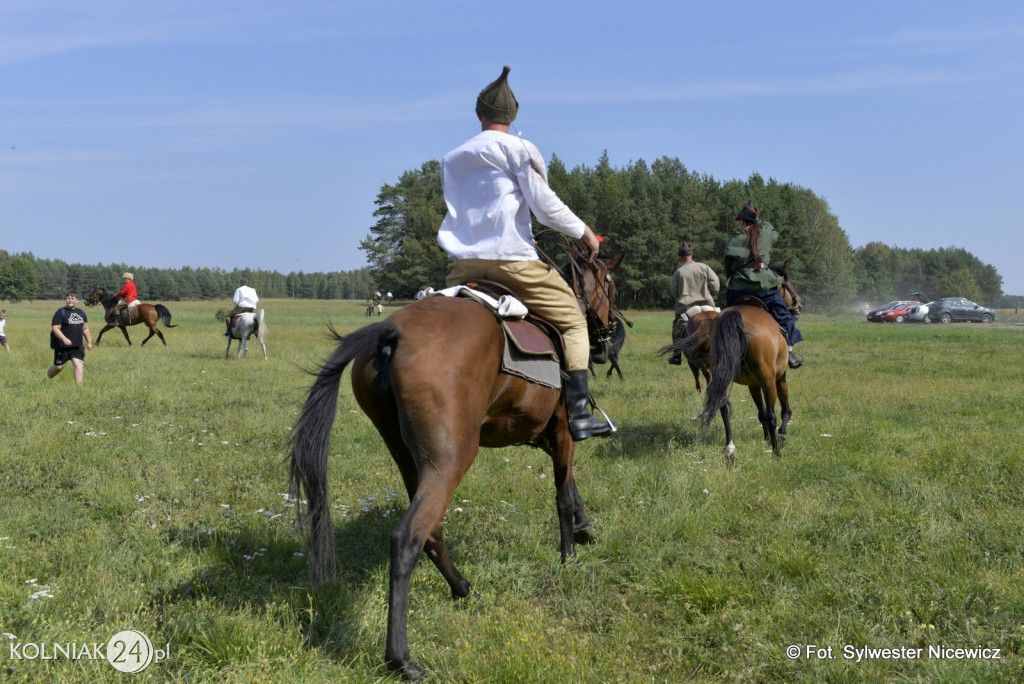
[496,102]
[748,213]
[128,276]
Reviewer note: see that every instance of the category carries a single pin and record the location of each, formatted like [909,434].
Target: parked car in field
[918,314]
[874,313]
[893,312]
[959,309]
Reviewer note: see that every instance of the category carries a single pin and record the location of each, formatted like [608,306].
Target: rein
[600,329]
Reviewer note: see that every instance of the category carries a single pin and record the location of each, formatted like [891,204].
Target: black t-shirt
[71,322]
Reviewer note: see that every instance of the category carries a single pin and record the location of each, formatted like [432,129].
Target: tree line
[647,210]
[24,277]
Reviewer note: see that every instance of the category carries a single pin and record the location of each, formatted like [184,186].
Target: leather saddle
[750,300]
[533,348]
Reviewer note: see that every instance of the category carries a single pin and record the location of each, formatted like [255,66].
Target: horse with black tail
[430,379]
[148,314]
[744,344]
[747,348]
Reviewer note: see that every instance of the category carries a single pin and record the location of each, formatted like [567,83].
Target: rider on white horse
[245,300]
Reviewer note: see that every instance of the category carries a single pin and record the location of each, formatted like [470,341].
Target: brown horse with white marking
[743,344]
[429,379]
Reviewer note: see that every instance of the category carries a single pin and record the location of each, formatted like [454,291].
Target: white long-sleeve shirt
[246,296]
[490,188]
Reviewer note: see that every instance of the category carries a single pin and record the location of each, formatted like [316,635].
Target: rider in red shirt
[126,296]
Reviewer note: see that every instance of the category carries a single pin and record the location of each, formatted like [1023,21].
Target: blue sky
[257,133]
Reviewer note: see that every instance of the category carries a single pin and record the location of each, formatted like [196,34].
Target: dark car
[959,309]
[893,312]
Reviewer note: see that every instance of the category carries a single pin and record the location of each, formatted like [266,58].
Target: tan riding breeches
[121,305]
[544,292]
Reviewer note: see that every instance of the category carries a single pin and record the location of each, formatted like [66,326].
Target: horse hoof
[462,590]
[408,670]
[584,535]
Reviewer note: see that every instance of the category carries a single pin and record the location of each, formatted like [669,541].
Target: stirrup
[605,416]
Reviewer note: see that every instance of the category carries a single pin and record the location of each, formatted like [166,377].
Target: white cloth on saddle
[505,306]
[699,308]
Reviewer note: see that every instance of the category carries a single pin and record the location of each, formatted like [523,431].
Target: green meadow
[885,544]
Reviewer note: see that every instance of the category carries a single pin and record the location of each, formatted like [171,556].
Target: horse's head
[595,288]
[794,302]
[96,296]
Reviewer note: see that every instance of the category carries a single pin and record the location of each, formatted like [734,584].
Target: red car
[893,312]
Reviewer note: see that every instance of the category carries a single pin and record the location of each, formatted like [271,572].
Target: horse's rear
[698,350]
[429,379]
[747,347]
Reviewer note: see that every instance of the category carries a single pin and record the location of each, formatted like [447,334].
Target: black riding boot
[795,360]
[581,423]
[227,322]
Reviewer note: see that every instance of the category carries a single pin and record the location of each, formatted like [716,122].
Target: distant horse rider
[127,298]
[746,262]
[245,300]
[694,286]
[491,183]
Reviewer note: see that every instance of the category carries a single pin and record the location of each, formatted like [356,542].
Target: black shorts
[62,356]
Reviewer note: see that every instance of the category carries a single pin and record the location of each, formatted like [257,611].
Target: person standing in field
[245,300]
[3,330]
[694,286]
[491,184]
[68,328]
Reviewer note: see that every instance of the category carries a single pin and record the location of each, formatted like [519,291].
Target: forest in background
[25,277]
[647,210]
[644,209]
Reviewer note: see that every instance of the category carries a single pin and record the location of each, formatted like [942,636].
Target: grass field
[154,498]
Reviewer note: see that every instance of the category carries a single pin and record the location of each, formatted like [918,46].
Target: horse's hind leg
[762,413]
[768,394]
[152,331]
[782,387]
[415,531]
[730,446]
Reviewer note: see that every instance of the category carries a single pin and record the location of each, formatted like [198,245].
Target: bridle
[599,330]
[798,303]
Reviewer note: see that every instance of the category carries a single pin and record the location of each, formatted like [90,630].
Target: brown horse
[697,357]
[149,314]
[698,350]
[428,378]
[744,344]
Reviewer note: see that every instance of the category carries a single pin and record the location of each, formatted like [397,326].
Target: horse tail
[730,344]
[311,438]
[261,326]
[164,314]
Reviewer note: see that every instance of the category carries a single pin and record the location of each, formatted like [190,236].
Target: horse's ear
[614,262]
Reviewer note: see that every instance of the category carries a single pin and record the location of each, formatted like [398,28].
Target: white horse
[245,325]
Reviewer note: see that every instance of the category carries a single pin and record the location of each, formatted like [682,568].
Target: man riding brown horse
[746,263]
[492,183]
